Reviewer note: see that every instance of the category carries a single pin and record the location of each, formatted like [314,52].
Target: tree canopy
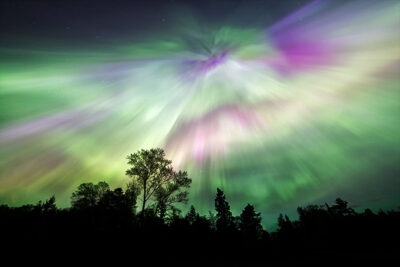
[155,181]
[88,195]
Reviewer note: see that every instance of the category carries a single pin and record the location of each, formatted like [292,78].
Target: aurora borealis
[277,111]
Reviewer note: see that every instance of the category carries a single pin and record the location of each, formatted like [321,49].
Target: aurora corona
[303,109]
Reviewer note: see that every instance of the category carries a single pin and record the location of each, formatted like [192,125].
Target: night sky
[279,103]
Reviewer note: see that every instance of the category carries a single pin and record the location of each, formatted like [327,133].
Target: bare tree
[153,176]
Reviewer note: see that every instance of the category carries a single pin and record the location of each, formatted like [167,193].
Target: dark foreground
[110,231]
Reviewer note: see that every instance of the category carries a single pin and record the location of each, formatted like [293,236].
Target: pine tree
[224,214]
[192,215]
[250,223]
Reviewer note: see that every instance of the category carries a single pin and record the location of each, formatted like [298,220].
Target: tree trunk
[144,198]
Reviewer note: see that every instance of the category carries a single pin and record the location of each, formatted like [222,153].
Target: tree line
[145,218]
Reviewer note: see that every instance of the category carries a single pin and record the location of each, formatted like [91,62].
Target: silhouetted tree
[212,219]
[172,192]
[368,212]
[115,200]
[192,215]
[250,223]
[132,192]
[284,224]
[312,214]
[49,205]
[224,215]
[88,195]
[321,233]
[153,176]
[341,208]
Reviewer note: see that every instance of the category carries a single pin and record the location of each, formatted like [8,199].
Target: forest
[144,221]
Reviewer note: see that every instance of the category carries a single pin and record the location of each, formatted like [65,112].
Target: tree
[212,219]
[46,208]
[88,195]
[115,201]
[132,192]
[341,208]
[284,224]
[224,215]
[153,176]
[250,223]
[49,205]
[192,215]
[171,193]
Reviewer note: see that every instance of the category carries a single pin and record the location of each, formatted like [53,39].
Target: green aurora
[280,116]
